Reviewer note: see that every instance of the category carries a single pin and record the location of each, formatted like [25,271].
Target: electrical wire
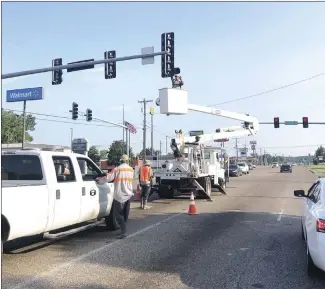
[270,90]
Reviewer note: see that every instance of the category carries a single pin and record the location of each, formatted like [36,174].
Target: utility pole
[236,150]
[123,127]
[144,101]
[160,153]
[152,113]
[71,137]
[166,144]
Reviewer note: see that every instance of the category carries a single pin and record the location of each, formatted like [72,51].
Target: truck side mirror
[299,193]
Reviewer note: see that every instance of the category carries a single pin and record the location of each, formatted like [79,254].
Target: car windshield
[233,167]
[241,164]
[286,166]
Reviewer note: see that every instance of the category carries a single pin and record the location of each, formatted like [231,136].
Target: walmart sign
[36,93]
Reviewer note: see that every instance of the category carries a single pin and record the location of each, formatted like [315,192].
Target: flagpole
[123,124]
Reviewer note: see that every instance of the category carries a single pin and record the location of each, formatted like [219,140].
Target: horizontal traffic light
[276,122]
[305,123]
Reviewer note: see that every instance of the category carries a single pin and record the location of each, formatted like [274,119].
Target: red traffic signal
[276,122]
[305,123]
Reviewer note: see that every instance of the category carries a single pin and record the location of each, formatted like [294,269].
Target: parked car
[43,191]
[250,166]
[313,225]
[244,167]
[286,168]
[275,165]
[234,171]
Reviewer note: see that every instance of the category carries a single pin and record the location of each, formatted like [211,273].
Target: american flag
[131,127]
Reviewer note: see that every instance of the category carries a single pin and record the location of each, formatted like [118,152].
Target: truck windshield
[21,167]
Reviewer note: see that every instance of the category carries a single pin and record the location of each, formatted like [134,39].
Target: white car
[275,165]
[313,225]
[244,167]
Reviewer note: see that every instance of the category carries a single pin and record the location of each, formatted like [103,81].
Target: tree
[103,154]
[93,154]
[12,126]
[320,152]
[116,150]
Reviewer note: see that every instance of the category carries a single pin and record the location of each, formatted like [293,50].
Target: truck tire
[111,222]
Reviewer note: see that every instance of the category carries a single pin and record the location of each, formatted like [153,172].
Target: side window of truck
[88,170]
[64,169]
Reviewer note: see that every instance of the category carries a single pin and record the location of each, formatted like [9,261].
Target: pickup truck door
[67,193]
[96,199]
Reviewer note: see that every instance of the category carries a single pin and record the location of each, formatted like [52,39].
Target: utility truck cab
[43,191]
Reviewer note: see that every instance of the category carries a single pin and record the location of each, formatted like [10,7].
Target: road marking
[67,264]
[280,215]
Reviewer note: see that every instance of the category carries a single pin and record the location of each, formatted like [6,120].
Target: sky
[225,51]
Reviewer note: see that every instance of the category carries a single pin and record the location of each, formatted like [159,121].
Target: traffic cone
[137,193]
[192,206]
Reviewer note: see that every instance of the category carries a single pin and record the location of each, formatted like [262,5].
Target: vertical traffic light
[57,74]
[167,60]
[89,114]
[276,122]
[305,123]
[110,68]
[75,110]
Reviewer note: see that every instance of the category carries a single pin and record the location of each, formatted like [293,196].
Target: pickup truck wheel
[111,222]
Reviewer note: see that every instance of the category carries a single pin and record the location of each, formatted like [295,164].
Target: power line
[271,90]
[70,122]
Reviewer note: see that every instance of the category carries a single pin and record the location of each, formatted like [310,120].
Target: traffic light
[167,60]
[57,74]
[89,114]
[75,110]
[110,68]
[305,122]
[276,122]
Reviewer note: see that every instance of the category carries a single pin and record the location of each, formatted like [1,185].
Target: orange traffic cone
[192,206]
[137,193]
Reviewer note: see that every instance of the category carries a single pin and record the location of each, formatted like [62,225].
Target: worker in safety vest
[145,176]
[123,191]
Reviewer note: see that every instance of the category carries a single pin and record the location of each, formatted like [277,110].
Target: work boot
[146,207]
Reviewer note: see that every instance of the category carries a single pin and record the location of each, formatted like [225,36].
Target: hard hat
[124,158]
[147,163]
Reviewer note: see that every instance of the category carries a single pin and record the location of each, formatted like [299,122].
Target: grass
[318,170]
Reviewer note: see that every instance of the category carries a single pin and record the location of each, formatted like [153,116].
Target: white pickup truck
[44,191]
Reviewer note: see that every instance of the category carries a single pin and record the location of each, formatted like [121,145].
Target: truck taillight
[320,226]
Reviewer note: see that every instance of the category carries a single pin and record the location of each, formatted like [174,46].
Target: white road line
[67,264]
[280,215]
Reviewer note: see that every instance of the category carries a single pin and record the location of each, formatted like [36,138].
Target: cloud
[11,80]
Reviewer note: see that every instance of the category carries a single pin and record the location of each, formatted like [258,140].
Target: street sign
[196,132]
[253,142]
[221,140]
[35,93]
[253,147]
[150,59]
[86,66]
[80,145]
[291,122]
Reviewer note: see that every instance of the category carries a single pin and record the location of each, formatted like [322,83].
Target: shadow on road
[220,250]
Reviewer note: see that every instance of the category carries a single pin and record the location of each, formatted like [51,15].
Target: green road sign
[291,122]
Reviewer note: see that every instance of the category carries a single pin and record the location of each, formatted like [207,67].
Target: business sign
[253,147]
[221,140]
[196,132]
[243,153]
[80,145]
[253,142]
[35,93]
[243,150]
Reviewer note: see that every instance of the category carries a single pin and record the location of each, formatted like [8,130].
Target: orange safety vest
[145,174]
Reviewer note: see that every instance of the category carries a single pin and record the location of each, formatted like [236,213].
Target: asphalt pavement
[250,238]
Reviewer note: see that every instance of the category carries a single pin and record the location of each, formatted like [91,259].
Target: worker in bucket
[145,176]
[123,191]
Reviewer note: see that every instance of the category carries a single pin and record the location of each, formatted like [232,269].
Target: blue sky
[225,51]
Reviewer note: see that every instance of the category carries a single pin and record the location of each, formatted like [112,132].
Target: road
[249,239]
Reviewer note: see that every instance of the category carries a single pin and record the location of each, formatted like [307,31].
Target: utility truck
[48,192]
[197,167]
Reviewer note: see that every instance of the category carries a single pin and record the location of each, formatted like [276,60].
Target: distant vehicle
[286,168]
[275,165]
[244,167]
[313,225]
[234,171]
[250,166]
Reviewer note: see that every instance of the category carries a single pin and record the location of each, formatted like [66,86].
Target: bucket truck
[196,168]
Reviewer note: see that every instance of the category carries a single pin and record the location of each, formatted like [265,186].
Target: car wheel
[312,270]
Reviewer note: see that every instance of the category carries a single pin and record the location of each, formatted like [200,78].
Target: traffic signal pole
[81,64]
